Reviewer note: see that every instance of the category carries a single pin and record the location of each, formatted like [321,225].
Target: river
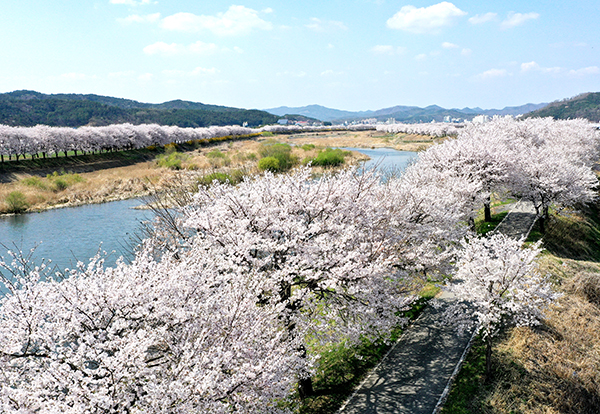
[68,235]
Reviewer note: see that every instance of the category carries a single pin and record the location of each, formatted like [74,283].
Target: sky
[349,55]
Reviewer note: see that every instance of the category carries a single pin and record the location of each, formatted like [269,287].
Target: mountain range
[400,113]
[29,108]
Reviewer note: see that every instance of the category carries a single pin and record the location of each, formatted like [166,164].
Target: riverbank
[67,182]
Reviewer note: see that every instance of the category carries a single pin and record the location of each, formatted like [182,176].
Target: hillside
[30,108]
[586,105]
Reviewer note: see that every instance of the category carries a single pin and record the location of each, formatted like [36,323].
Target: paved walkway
[417,372]
[519,221]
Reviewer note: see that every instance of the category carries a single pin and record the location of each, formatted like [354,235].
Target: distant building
[283,121]
[481,119]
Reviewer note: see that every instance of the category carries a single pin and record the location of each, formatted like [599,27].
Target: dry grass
[74,189]
[361,139]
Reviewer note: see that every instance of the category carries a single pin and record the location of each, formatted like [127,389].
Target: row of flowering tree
[434,129]
[42,140]
[544,161]
[220,318]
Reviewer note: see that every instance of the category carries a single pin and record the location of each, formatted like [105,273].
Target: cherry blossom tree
[325,249]
[153,337]
[497,284]
[553,163]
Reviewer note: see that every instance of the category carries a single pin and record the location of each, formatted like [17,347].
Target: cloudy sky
[345,54]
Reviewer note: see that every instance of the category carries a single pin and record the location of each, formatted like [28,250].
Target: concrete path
[519,221]
[415,376]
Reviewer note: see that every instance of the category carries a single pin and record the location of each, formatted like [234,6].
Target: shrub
[217,158]
[34,182]
[170,148]
[60,184]
[308,147]
[269,164]
[282,152]
[216,153]
[329,158]
[218,176]
[172,160]
[16,202]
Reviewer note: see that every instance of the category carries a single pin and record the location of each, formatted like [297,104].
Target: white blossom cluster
[498,284]
[46,140]
[433,129]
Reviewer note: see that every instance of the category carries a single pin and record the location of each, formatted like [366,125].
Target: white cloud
[132,2]
[146,77]
[172,49]
[466,52]
[121,75]
[420,57]
[493,73]
[448,45]
[330,72]
[529,66]
[535,67]
[590,70]
[199,71]
[425,19]
[237,20]
[319,25]
[482,18]
[388,50]
[292,74]
[517,19]
[136,18]
[268,10]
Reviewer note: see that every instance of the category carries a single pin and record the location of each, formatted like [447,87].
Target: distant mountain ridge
[401,113]
[29,108]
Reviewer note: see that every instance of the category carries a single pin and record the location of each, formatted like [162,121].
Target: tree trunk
[471,223]
[488,359]
[487,211]
[542,219]
[305,388]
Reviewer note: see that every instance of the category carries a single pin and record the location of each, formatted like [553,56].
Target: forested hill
[586,106]
[30,108]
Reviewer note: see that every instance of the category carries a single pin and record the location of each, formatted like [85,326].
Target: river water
[68,235]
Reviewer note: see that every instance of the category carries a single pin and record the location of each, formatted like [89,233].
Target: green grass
[172,160]
[482,227]
[468,383]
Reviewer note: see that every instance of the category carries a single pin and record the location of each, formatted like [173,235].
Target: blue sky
[351,54]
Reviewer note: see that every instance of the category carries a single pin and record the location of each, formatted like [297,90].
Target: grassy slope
[552,368]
